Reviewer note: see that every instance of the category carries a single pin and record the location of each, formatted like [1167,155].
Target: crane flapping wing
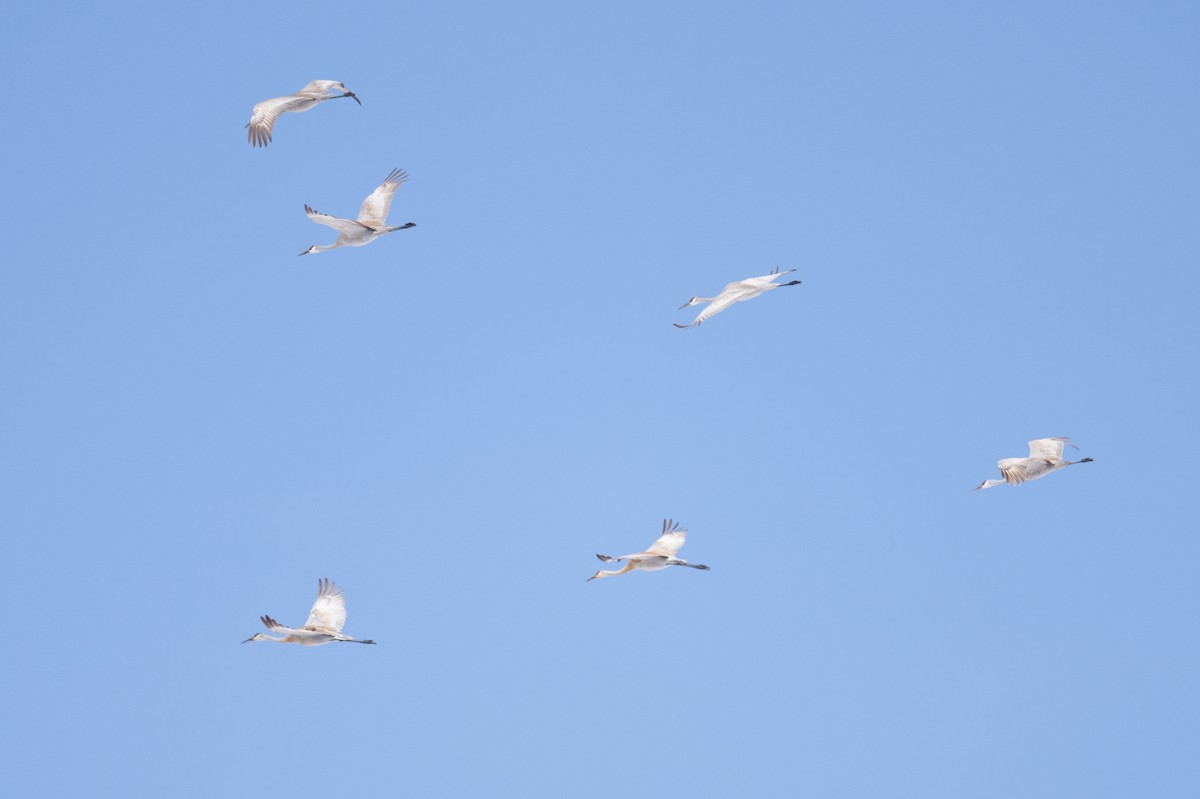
[320,87]
[1050,449]
[328,613]
[1012,470]
[338,224]
[375,208]
[275,626]
[262,119]
[719,304]
[670,541]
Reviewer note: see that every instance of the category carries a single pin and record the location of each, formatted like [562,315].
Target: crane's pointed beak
[248,640]
[306,252]
[355,96]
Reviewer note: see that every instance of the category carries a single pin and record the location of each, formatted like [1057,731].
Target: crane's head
[256,637]
[597,574]
[691,302]
[310,250]
[341,87]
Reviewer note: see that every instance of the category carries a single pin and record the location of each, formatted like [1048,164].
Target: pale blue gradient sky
[993,210]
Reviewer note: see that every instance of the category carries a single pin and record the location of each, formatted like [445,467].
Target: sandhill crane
[735,292]
[660,555]
[1045,456]
[372,217]
[324,623]
[262,119]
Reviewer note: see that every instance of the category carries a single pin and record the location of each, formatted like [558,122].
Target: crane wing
[328,613]
[338,224]
[670,541]
[1012,470]
[375,208]
[1050,449]
[275,626]
[262,118]
[321,86]
[758,282]
[724,300]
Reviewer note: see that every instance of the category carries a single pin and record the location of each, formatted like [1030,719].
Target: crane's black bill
[355,96]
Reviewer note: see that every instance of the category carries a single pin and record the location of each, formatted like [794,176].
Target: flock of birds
[328,613]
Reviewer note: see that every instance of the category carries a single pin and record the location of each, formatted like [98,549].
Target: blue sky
[992,209]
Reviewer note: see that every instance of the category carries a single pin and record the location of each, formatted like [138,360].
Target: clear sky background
[993,209]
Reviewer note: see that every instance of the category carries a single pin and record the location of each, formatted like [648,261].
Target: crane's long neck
[629,566]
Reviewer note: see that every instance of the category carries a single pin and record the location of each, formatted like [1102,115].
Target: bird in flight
[660,555]
[324,623]
[1045,456]
[372,217]
[735,292]
[262,119]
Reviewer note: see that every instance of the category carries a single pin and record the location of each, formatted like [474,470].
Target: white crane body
[265,114]
[1045,456]
[738,291]
[660,555]
[372,217]
[324,625]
